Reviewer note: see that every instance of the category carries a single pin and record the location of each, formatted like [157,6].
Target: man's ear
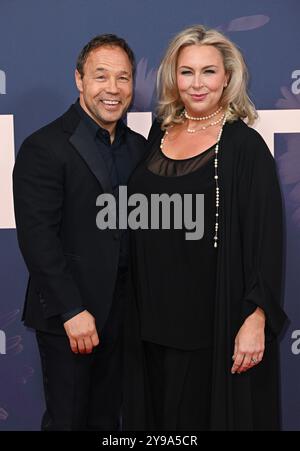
[78,79]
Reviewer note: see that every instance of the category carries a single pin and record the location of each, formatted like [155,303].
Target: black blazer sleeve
[261,218]
[38,184]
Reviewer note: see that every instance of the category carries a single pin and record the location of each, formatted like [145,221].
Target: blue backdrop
[39,43]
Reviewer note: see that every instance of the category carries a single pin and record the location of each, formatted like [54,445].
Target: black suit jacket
[58,174]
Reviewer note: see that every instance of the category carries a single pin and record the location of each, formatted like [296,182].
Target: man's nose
[112,86]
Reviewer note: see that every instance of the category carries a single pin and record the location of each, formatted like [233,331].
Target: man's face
[106,86]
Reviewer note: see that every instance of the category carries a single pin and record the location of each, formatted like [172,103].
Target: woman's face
[201,79]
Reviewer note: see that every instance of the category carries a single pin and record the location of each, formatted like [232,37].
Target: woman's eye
[186,72]
[210,71]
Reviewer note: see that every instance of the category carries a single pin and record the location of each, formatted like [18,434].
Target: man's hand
[249,343]
[82,333]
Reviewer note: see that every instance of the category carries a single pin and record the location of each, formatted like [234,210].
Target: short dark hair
[100,41]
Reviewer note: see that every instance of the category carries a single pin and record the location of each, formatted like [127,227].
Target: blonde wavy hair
[234,98]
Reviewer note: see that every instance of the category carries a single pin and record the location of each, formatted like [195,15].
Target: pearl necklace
[201,118]
[204,127]
[216,176]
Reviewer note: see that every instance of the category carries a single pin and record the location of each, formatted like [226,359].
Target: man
[76,291]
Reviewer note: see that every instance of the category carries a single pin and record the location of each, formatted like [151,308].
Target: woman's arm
[260,211]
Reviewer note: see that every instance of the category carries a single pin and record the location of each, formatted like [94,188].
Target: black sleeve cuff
[68,315]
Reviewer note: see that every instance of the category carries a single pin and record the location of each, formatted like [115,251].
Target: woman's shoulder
[242,131]
[247,141]
[155,131]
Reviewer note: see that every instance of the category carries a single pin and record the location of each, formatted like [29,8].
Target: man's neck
[111,128]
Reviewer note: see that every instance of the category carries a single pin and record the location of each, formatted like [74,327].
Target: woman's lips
[198,97]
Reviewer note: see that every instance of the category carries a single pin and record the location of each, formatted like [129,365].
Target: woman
[205,313]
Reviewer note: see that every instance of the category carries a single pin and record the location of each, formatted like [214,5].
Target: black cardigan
[249,274]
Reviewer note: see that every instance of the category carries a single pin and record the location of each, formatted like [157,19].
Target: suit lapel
[87,148]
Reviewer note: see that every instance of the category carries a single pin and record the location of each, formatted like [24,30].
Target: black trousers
[179,388]
[84,391]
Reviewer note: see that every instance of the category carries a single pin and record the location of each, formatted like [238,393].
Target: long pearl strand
[216,176]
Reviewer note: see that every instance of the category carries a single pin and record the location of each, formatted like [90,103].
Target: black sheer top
[174,278]
[160,164]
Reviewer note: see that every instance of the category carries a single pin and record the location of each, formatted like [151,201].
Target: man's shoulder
[43,132]
[54,130]
[140,139]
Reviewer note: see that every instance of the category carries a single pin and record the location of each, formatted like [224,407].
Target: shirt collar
[95,128]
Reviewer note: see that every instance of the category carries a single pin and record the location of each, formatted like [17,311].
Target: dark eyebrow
[205,67]
[124,72]
[103,69]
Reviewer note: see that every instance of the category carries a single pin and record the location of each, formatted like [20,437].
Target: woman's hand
[249,344]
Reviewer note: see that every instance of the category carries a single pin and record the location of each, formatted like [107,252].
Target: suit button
[116,236]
